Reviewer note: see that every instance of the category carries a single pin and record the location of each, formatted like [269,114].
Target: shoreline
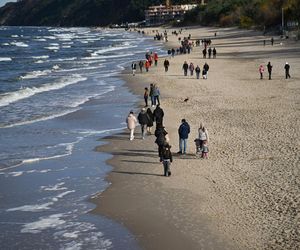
[214,204]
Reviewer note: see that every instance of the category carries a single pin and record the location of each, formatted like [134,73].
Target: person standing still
[197,70]
[141,65]
[269,66]
[146,96]
[155,57]
[183,132]
[287,70]
[131,124]
[185,68]
[261,71]
[166,65]
[133,68]
[272,41]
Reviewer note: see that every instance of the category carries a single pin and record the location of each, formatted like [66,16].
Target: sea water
[60,93]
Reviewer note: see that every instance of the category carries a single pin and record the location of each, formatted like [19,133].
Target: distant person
[261,71]
[166,65]
[205,70]
[209,52]
[191,68]
[150,121]
[161,138]
[202,134]
[143,121]
[158,114]
[197,70]
[166,158]
[131,122]
[204,150]
[204,52]
[151,94]
[155,57]
[141,65]
[185,68]
[156,94]
[133,68]
[146,96]
[269,66]
[147,65]
[272,41]
[183,132]
[287,70]
[264,42]
[214,53]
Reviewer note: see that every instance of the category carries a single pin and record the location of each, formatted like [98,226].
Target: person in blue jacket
[183,131]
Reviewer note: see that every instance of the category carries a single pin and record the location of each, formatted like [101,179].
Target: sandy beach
[246,195]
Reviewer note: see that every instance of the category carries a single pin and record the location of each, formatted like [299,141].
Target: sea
[60,92]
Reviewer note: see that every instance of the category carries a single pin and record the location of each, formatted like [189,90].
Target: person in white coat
[131,124]
[203,135]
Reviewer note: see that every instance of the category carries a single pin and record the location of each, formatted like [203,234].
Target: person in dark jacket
[158,114]
[183,131]
[287,70]
[161,138]
[166,65]
[269,66]
[143,121]
[205,70]
[185,68]
[214,53]
[197,70]
[150,121]
[167,159]
[209,52]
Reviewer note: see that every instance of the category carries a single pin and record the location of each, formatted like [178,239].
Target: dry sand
[246,195]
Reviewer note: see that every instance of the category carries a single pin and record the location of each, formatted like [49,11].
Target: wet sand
[246,195]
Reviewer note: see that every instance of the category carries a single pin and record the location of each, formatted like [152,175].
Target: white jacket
[131,121]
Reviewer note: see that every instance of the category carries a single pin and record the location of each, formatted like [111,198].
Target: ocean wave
[19,44]
[5,44]
[95,57]
[40,40]
[40,61]
[109,49]
[5,59]
[7,98]
[31,208]
[54,48]
[41,57]
[35,74]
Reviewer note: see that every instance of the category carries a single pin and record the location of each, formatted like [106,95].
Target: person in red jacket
[147,65]
[155,57]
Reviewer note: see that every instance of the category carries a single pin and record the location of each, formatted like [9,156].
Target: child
[166,158]
[205,150]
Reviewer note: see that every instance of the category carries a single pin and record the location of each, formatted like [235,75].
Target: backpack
[160,140]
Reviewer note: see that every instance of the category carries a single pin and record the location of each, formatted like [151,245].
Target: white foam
[19,44]
[72,235]
[66,59]
[95,57]
[55,67]
[65,193]
[7,98]
[40,40]
[40,61]
[31,208]
[41,57]
[66,46]
[15,174]
[56,187]
[43,223]
[5,59]
[35,74]
[14,36]
[5,44]
[54,48]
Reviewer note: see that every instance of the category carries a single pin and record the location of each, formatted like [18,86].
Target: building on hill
[156,15]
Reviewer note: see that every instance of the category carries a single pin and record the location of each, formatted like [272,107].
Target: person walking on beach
[166,65]
[287,70]
[156,94]
[146,96]
[131,122]
[214,53]
[183,132]
[261,71]
[141,65]
[155,57]
[147,65]
[166,157]
[185,68]
[204,150]
[150,121]
[158,114]
[204,51]
[191,68]
[143,121]
[133,68]
[209,52]
[161,138]
[205,70]
[272,41]
[269,66]
[202,134]
[197,70]
[151,94]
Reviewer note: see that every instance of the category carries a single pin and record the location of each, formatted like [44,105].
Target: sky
[2,2]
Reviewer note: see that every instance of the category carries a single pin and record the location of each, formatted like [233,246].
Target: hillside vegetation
[245,13]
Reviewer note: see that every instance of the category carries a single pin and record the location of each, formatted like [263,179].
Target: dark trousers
[156,99]
[270,75]
[146,100]
[167,164]
[287,74]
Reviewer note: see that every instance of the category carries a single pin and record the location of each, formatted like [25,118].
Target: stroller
[198,146]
